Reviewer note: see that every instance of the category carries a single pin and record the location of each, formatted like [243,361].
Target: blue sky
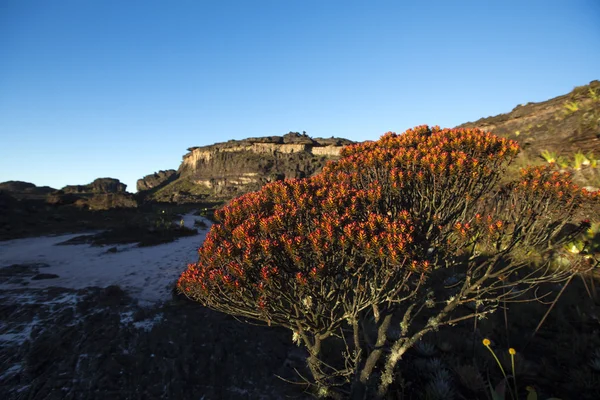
[100,88]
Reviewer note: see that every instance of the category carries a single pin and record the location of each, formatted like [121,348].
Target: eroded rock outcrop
[100,185]
[25,190]
[226,170]
[102,194]
[155,180]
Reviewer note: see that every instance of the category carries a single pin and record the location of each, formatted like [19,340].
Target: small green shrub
[570,107]
[563,162]
[550,157]
[580,160]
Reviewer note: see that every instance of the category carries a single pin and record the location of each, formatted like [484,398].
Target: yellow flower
[512,351]
[486,342]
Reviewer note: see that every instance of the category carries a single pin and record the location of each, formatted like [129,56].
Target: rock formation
[551,124]
[155,180]
[102,194]
[226,170]
[564,125]
[25,190]
[100,185]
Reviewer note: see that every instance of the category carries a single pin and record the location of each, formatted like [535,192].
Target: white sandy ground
[146,273]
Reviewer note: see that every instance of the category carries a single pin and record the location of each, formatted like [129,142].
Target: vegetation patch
[400,239]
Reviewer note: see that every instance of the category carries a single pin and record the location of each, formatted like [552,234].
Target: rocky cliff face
[226,170]
[155,180]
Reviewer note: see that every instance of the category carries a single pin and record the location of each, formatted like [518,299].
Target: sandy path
[146,273]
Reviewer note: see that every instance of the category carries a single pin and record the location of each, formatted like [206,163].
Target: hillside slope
[562,126]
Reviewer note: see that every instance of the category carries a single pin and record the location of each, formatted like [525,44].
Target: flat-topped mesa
[223,171]
[290,143]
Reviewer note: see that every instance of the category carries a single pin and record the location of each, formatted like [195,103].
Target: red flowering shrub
[339,257]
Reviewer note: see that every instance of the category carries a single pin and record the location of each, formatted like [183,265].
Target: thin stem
[550,308]
[512,361]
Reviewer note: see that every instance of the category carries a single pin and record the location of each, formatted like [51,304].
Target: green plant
[563,162]
[549,156]
[163,221]
[571,106]
[593,161]
[471,378]
[585,378]
[439,387]
[513,391]
[340,257]
[532,394]
[580,160]
[498,392]
[592,235]
[425,349]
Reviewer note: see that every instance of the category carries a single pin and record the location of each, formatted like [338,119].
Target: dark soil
[98,344]
[19,273]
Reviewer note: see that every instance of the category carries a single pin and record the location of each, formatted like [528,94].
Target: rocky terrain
[25,190]
[92,315]
[89,322]
[99,344]
[225,170]
[101,194]
[563,126]
[100,185]
[58,213]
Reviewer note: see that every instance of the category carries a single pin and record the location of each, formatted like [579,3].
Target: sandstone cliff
[225,170]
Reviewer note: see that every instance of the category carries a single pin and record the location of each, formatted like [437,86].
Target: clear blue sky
[99,88]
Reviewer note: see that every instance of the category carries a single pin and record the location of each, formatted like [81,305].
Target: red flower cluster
[362,237]
[367,219]
[295,232]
